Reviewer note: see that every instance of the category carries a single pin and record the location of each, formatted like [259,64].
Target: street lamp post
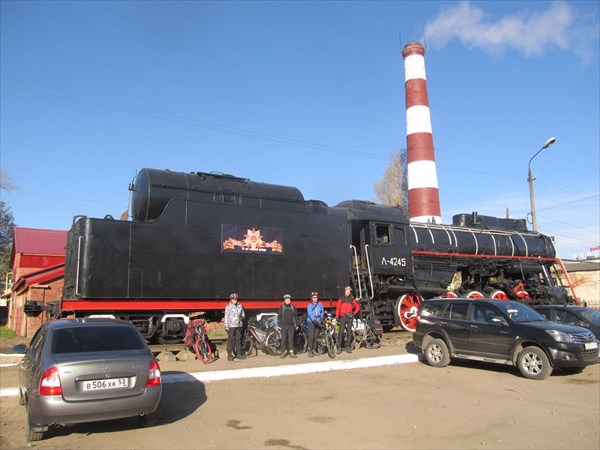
[547,144]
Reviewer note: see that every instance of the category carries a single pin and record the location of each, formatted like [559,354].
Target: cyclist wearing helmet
[234,320]
[316,314]
[347,308]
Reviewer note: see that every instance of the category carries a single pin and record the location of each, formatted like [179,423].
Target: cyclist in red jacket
[347,307]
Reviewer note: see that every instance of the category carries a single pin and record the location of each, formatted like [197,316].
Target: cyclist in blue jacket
[316,314]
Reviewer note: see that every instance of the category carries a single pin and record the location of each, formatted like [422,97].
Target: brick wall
[47,293]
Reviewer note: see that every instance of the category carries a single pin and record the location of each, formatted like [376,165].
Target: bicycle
[196,339]
[326,338]
[254,338]
[367,332]
[300,339]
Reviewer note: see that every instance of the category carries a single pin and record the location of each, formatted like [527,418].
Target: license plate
[591,345]
[112,383]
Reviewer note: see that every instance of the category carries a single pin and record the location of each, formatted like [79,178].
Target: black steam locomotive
[196,237]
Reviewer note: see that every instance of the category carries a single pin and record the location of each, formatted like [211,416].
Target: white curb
[262,372]
[296,369]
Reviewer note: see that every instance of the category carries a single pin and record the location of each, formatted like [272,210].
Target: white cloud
[558,27]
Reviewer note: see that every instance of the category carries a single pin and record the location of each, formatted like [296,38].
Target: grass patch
[7,333]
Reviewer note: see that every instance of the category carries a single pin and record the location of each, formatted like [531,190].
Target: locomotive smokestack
[423,192]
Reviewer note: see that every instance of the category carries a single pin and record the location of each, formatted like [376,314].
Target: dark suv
[501,331]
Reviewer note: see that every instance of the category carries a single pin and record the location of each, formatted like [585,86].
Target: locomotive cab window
[382,234]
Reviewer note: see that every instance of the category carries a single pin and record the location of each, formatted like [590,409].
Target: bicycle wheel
[301,342]
[273,342]
[330,344]
[203,351]
[248,349]
[321,344]
[371,339]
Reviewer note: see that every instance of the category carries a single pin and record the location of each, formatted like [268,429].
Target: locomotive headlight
[560,336]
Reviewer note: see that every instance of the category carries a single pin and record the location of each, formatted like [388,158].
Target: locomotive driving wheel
[407,308]
[474,294]
[499,295]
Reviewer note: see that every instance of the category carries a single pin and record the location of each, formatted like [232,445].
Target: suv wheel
[533,363]
[436,353]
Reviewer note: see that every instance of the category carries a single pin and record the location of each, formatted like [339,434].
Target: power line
[571,202]
[175,118]
[569,224]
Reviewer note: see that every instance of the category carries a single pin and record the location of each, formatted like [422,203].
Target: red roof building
[35,249]
[37,264]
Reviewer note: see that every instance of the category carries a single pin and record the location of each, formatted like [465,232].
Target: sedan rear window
[96,339]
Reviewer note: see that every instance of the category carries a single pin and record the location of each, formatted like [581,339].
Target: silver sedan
[86,370]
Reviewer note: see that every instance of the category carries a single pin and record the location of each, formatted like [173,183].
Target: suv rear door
[457,326]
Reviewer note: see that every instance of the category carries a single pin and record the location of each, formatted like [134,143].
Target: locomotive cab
[387,247]
[379,245]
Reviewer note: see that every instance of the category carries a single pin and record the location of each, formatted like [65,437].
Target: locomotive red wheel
[520,292]
[474,294]
[407,309]
[449,294]
[499,295]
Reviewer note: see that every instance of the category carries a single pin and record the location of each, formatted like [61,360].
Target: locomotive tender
[196,237]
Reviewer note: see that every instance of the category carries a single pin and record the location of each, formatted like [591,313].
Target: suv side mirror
[499,320]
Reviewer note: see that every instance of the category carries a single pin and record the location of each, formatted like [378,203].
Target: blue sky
[306,94]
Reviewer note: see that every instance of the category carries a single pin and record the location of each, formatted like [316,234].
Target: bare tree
[6,182]
[392,189]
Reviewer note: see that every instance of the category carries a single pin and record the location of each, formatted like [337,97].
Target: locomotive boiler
[194,238]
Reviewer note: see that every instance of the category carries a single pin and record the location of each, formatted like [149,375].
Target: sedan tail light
[153,375]
[50,382]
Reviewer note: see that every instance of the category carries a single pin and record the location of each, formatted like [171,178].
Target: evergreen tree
[7,226]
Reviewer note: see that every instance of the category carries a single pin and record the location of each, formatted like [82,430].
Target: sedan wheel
[534,364]
[32,434]
[148,420]
[21,397]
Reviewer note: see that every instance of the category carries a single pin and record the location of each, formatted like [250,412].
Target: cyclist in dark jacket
[287,317]
[347,307]
[316,314]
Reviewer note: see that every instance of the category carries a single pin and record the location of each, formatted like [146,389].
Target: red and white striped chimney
[423,192]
